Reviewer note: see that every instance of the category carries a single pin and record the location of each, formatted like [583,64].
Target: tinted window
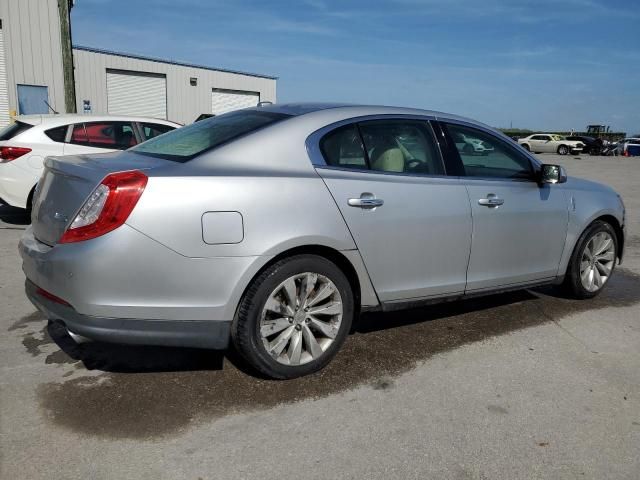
[151,130]
[401,146]
[184,143]
[57,134]
[343,148]
[13,130]
[484,155]
[395,146]
[111,135]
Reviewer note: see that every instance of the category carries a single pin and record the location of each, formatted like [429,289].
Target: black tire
[245,331]
[526,147]
[572,283]
[563,150]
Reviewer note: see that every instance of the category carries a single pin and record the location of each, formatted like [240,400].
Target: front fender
[585,206]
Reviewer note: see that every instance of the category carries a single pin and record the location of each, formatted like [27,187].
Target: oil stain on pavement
[148,392]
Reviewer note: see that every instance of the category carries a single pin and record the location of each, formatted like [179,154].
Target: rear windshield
[14,129]
[184,143]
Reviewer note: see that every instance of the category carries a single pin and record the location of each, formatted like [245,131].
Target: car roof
[59,119]
[347,110]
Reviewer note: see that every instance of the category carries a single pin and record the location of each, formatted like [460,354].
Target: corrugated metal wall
[32,48]
[184,101]
[4,91]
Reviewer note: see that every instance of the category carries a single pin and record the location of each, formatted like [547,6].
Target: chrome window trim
[317,159]
[381,172]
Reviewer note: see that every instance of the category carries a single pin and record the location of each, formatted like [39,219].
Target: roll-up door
[223,101]
[136,93]
[4,91]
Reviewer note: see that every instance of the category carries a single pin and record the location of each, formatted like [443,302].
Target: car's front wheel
[593,261]
[294,317]
[563,150]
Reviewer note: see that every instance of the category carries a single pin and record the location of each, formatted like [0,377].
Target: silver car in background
[275,226]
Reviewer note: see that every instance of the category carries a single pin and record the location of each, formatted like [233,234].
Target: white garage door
[223,101]
[4,92]
[135,93]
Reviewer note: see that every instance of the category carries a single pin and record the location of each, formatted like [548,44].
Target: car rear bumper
[178,333]
[124,287]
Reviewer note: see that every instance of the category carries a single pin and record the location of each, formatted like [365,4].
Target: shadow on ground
[13,216]
[165,390]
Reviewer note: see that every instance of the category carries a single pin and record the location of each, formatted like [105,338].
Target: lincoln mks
[274,227]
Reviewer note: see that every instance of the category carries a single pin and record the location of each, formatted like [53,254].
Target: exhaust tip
[79,339]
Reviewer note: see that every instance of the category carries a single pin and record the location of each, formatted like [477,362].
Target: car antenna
[50,107]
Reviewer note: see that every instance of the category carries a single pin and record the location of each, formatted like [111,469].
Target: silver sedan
[274,227]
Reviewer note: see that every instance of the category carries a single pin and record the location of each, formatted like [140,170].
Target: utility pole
[64,10]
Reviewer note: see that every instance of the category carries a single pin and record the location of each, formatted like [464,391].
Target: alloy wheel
[597,261]
[301,318]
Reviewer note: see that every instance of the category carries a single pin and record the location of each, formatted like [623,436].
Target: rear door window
[401,146]
[108,135]
[343,148]
[13,130]
[392,146]
[182,144]
[152,130]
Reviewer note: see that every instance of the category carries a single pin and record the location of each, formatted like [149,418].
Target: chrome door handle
[491,201]
[366,200]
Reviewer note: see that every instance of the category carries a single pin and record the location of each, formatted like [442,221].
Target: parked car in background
[592,146]
[471,146]
[25,143]
[549,143]
[629,147]
[273,226]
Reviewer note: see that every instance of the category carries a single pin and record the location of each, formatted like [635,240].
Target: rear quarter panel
[278,213]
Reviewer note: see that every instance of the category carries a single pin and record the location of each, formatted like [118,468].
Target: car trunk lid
[67,182]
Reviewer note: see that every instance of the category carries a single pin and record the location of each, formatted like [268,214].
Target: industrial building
[41,72]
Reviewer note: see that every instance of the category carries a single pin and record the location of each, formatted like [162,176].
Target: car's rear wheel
[294,317]
[563,150]
[593,261]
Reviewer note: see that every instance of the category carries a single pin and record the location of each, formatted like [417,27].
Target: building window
[193,81]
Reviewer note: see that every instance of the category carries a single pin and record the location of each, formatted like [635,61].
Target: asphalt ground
[519,385]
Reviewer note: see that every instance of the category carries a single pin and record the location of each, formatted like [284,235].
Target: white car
[471,146]
[549,143]
[25,143]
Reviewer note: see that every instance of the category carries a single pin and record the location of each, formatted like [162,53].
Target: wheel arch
[617,228]
[574,237]
[349,262]
[32,192]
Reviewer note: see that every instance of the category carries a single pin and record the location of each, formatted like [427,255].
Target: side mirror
[552,174]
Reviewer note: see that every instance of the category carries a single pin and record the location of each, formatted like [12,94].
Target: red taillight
[50,296]
[11,153]
[108,207]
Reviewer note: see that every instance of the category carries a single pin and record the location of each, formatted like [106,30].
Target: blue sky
[540,65]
